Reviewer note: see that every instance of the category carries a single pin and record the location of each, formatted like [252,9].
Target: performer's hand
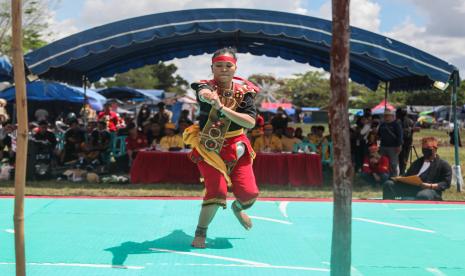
[206,94]
[215,101]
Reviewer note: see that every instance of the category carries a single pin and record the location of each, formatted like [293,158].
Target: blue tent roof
[53,91]
[6,69]
[120,46]
[130,93]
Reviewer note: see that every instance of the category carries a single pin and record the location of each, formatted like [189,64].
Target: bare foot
[244,219]
[199,242]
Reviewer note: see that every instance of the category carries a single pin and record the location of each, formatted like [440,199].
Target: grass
[65,188]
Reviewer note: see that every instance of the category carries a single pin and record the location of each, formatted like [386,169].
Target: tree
[341,241]
[308,89]
[157,76]
[35,24]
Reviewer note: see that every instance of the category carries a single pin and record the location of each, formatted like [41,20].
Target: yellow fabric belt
[191,137]
[234,133]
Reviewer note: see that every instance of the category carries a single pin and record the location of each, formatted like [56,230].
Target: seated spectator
[184,118]
[182,126]
[88,113]
[74,141]
[375,168]
[110,117]
[135,142]
[268,142]
[299,133]
[7,142]
[289,141]
[254,134]
[48,138]
[3,113]
[163,116]
[435,173]
[98,144]
[314,137]
[41,114]
[171,141]
[154,134]
[143,115]
[372,136]
[280,121]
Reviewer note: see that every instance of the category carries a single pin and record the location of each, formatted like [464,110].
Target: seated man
[171,141]
[135,142]
[268,142]
[435,173]
[98,145]
[47,139]
[375,169]
[288,140]
[75,137]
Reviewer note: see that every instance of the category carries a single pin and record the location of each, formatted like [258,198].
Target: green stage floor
[152,237]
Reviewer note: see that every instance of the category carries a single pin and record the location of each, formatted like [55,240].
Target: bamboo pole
[457,169]
[339,120]
[22,136]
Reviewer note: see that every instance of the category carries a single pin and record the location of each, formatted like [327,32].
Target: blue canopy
[124,93]
[53,91]
[123,45]
[6,69]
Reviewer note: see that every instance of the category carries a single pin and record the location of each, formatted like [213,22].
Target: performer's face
[223,71]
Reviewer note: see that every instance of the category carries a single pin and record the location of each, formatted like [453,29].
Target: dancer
[220,148]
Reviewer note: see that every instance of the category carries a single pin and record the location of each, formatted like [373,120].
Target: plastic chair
[324,150]
[118,145]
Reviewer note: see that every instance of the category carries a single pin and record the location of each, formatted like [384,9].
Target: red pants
[242,177]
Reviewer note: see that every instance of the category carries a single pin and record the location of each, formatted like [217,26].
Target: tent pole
[84,83]
[339,121]
[457,170]
[386,89]
[22,136]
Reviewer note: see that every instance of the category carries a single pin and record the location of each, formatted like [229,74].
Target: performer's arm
[241,119]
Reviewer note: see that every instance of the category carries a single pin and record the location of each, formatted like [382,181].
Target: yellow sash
[191,136]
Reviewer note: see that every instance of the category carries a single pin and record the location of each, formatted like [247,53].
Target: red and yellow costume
[218,141]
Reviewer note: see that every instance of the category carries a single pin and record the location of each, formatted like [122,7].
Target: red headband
[224,58]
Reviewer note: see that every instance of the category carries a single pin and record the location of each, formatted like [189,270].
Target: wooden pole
[339,120]
[457,169]
[22,136]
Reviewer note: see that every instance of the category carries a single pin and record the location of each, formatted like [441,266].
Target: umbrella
[6,69]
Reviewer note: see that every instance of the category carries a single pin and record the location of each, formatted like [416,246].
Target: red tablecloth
[274,169]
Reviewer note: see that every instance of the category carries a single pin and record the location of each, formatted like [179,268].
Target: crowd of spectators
[380,147]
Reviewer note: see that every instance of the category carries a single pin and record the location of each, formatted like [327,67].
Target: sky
[430,25]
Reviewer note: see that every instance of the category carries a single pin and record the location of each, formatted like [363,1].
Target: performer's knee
[238,205]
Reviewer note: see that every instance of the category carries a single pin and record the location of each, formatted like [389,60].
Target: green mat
[152,237]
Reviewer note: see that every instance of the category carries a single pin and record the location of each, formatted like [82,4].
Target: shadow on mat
[178,240]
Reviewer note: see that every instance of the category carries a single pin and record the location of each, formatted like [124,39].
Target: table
[269,168]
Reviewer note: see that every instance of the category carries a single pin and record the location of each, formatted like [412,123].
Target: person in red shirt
[375,169]
[110,117]
[135,142]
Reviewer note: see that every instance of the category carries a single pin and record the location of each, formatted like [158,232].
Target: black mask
[427,153]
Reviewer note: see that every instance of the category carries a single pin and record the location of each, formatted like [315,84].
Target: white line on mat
[208,256]
[270,219]
[11,231]
[263,266]
[283,208]
[394,225]
[428,209]
[435,271]
[81,265]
